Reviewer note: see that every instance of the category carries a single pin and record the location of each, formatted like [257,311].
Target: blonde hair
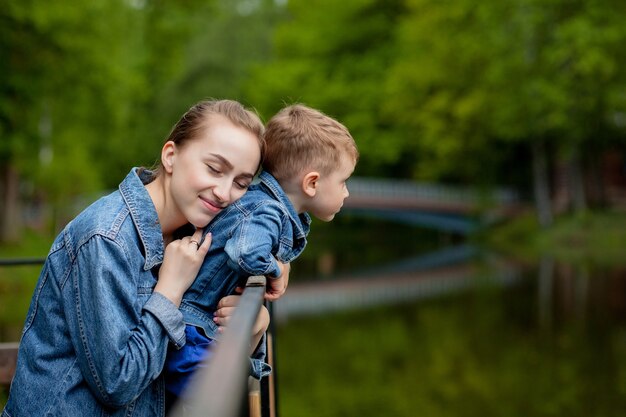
[300,138]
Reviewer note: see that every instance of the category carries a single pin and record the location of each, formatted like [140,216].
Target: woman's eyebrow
[228,165]
[222,160]
[246,175]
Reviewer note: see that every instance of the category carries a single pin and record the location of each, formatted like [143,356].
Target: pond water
[545,339]
[427,325]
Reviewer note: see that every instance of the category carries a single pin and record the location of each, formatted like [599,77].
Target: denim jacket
[96,336]
[247,239]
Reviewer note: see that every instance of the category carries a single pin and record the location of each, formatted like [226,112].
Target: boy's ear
[167,156]
[309,183]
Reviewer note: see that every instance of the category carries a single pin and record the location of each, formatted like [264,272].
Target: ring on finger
[195,242]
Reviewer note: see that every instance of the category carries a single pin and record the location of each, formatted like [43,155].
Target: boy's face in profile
[332,191]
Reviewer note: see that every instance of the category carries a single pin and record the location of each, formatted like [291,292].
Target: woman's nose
[222,191]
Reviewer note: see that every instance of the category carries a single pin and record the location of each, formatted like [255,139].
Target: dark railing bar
[22,261]
[218,388]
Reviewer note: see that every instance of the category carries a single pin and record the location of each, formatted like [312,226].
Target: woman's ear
[167,156]
[310,182]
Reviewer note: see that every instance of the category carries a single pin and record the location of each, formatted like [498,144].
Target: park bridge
[448,208]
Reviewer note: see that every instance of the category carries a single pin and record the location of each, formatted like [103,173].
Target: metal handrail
[219,389]
[22,261]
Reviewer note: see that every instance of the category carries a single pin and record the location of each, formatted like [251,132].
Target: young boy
[307,159]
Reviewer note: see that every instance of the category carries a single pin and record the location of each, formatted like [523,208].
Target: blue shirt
[248,238]
[96,336]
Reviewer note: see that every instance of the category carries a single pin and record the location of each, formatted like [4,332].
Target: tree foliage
[333,56]
[459,91]
[91,89]
[453,91]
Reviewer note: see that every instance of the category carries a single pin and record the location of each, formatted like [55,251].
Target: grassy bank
[595,237]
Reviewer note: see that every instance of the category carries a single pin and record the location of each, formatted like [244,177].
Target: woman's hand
[181,263]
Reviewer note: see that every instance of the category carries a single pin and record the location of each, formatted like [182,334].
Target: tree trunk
[10,220]
[546,290]
[596,189]
[541,185]
[577,191]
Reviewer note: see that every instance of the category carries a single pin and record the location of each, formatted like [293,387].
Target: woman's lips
[211,206]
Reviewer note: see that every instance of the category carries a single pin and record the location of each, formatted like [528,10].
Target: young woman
[106,304]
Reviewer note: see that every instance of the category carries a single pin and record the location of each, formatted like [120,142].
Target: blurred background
[478,267]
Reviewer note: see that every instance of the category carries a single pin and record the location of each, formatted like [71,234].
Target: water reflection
[550,345]
[550,341]
[421,277]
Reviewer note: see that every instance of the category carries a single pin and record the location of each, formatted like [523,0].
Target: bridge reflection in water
[421,277]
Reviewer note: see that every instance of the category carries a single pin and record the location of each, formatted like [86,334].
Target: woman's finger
[206,243]
[197,235]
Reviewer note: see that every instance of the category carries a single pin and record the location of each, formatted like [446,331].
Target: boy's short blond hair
[300,139]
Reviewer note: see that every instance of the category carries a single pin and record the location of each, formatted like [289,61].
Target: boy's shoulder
[257,196]
[267,190]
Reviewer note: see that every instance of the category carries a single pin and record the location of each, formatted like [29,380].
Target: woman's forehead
[231,145]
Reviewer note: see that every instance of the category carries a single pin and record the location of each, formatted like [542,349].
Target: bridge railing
[405,189]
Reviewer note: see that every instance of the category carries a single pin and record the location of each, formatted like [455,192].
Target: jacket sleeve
[252,245]
[119,329]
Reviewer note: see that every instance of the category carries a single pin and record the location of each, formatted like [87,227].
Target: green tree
[188,51]
[333,56]
[478,80]
[89,90]
[66,75]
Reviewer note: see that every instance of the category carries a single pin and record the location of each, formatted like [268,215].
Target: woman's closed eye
[242,185]
[214,169]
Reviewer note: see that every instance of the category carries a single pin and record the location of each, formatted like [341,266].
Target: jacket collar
[144,215]
[301,221]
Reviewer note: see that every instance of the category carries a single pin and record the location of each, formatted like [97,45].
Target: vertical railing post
[254,397]
[269,385]
[8,359]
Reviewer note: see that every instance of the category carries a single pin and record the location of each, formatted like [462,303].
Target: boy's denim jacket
[247,239]
[96,336]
